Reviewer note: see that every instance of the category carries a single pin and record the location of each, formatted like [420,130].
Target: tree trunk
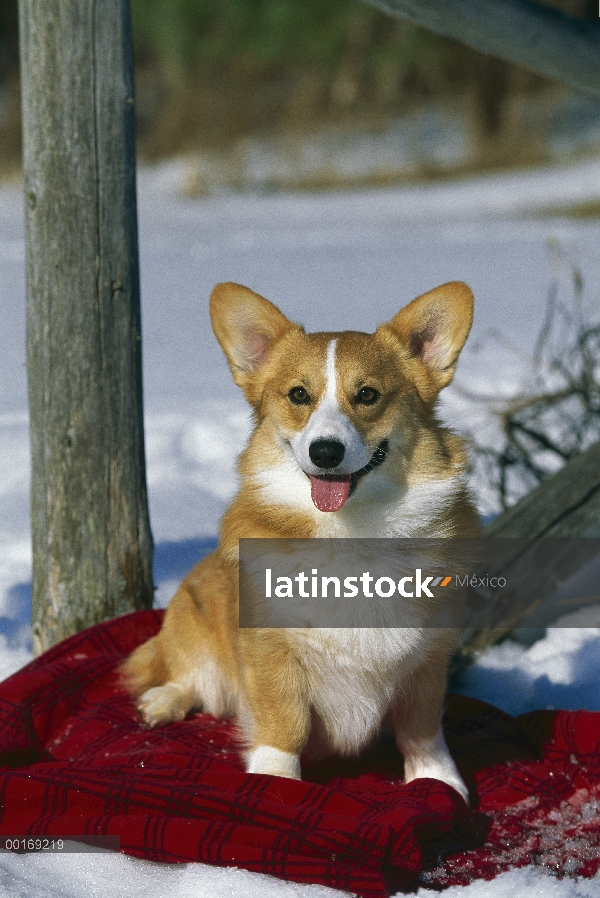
[565,510]
[566,504]
[92,546]
[529,34]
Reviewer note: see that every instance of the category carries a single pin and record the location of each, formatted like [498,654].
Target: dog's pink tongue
[329,493]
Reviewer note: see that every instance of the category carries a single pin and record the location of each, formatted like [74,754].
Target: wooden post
[92,546]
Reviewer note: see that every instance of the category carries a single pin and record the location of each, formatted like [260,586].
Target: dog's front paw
[431,759]
[163,704]
[445,774]
[266,759]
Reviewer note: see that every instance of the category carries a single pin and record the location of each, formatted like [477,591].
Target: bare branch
[555,417]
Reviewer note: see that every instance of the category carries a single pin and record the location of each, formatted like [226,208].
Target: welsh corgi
[345,443]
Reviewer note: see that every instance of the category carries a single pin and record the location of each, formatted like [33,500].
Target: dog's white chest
[353,675]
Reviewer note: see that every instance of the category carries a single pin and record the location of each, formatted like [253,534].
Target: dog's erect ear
[434,328]
[247,326]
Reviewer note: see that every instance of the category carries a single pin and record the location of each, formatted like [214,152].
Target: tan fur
[315,691]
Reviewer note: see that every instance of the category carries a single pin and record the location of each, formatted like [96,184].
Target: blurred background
[260,124]
[271,94]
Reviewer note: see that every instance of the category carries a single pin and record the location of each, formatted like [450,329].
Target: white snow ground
[331,261]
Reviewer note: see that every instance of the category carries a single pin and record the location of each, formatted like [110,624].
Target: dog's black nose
[326,453]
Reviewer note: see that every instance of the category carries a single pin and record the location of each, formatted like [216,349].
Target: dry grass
[557,415]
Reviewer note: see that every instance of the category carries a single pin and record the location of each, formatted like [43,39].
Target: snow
[331,261]
[520,883]
[94,875]
[562,670]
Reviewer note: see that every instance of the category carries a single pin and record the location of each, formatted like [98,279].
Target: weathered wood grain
[92,546]
[566,504]
[564,512]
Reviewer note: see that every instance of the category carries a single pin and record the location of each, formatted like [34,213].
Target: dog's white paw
[443,773]
[163,704]
[431,759]
[265,759]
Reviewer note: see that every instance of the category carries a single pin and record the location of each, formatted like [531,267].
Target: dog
[345,443]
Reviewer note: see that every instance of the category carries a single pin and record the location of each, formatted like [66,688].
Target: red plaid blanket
[75,760]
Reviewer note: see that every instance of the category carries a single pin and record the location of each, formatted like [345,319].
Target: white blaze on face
[328,422]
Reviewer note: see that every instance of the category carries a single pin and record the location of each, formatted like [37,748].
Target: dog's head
[341,402]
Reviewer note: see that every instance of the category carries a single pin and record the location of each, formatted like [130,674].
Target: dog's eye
[367,396]
[299,396]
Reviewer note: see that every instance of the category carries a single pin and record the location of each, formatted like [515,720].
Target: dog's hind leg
[165,704]
[145,668]
[145,673]
[191,663]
